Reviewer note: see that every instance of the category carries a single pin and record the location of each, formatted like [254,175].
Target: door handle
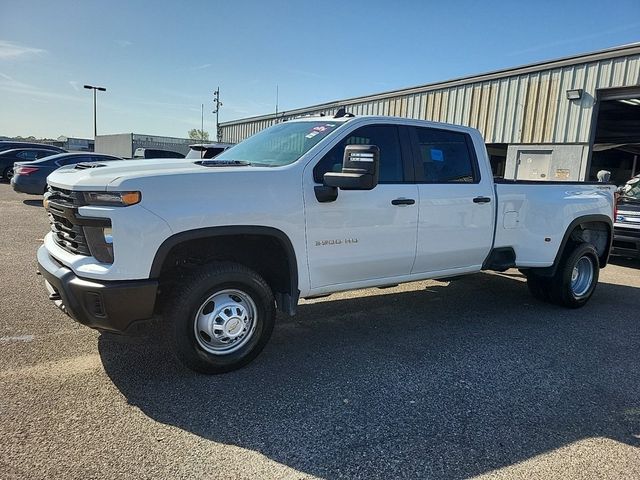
[403,201]
[481,200]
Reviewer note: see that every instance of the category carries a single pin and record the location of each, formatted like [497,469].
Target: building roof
[619,51]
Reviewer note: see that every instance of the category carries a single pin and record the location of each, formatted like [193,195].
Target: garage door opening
[498,157]
[616,144]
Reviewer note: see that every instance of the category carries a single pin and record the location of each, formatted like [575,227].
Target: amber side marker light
[131,198]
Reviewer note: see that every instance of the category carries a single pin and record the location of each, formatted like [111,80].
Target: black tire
[191,300]
[7,174]
[539,286]
[561,290]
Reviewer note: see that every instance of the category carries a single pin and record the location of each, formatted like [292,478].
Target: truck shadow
[623,261]
[443,381]
[33,203]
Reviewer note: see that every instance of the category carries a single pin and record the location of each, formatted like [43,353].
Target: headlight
[114,199]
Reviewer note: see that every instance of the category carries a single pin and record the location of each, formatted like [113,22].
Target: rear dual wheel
[575,279]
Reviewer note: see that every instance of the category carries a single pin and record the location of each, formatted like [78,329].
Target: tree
[197,134]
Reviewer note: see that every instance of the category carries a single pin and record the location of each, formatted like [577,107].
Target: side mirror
[360,169]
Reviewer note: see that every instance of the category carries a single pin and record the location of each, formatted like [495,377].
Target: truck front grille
[65,198]
[67,233]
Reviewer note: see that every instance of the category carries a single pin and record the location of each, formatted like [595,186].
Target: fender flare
[209,232]
[596,218]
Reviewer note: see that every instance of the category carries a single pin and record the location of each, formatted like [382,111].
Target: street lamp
[95,124]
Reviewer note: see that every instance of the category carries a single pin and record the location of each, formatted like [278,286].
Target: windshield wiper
[224,163]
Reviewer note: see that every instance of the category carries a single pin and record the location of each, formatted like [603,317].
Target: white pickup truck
[209,249]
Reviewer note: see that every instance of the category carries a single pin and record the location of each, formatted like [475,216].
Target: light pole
[95,122]
[216,105]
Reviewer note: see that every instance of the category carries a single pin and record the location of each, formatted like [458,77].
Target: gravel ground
[426,380]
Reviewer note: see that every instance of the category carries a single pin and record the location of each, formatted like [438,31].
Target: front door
[364,235]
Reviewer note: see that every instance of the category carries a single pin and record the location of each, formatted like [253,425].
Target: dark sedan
[10,145]
[31,177]
[9,157]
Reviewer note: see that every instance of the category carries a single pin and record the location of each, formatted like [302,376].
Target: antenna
[277,95]
[201,126]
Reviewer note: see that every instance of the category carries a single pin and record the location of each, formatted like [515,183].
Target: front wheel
[576,278]
[220,319]
[7,174]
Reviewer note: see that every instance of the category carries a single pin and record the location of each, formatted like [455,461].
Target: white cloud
[124,43]
[203,66]
[9,84]
[10,50]
[75,85]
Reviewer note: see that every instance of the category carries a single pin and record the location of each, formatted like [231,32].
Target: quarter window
[70,160]
[445,156]
[385,137]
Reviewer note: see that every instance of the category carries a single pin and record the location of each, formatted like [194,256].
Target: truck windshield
[280,144]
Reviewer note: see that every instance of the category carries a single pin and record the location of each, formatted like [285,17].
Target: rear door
[363,235]
[457,202]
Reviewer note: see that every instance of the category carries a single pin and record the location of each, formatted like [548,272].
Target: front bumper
[626,241]
[113,306]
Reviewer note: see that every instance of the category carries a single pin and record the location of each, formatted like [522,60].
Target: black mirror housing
[360,169]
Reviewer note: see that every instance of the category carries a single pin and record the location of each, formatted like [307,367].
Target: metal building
[563,119]
[125,144]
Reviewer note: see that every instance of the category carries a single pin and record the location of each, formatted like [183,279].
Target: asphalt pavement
[426,380]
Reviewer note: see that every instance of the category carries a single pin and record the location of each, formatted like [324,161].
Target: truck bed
[533,216]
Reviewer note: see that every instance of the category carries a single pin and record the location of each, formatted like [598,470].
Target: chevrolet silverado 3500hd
[305,208]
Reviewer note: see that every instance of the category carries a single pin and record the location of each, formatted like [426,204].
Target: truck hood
[99,175]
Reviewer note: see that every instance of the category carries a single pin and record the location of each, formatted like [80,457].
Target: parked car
[626,240]
[156,153]
[31,177]
[306,208]
[207,150]
[9,157]
[10,145]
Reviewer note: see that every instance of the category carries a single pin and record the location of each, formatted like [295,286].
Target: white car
[207,150]
[305,208]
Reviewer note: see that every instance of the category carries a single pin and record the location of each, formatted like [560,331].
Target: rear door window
[28,155]
[445,156]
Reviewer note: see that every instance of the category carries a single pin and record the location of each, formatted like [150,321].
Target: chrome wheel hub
[582,276]
[225,321]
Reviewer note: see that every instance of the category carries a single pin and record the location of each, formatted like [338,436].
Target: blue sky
[161,60]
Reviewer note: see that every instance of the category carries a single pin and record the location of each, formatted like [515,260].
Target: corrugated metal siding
[523,108]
